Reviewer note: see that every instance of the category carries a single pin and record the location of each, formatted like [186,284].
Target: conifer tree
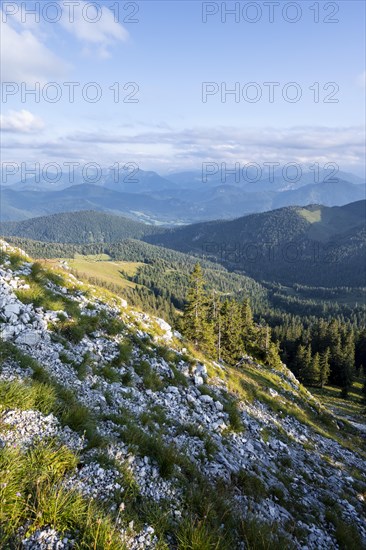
[196,325]
[231,341]
[360,351]
[313,374]
[248,329]
[302,362]
[324,368]
[346,363]
[217,323]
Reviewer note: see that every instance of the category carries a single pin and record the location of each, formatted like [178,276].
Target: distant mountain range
[312,245]
[176,199]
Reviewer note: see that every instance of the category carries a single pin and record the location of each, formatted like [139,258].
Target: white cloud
[102,33]
[188,148]
[22,122]
[23,56]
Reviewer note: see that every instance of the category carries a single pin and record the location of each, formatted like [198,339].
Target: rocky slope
[155,446]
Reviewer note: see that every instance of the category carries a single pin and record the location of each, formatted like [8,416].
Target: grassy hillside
[103,268]
[118,434]
[165,271]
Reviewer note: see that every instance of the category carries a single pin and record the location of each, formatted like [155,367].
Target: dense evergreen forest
[319,352]
[79,228]
[313,245]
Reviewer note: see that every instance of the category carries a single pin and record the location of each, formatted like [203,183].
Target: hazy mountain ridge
[185,198]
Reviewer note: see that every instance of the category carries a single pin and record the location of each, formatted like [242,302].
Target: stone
[12,309]
[201,370]
[172,389]
[7,332]
[198,380]
[206,398]
[29,338]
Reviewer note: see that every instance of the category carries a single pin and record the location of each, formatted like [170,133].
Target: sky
[149,83]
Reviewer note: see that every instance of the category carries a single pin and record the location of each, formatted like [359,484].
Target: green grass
[251,485]
[45,392]
[194,430]
[31,494]
[353,406]
[155,415]
[231,408]
[198,535]
[16,258]
[263,536]
[169,355]
[150,378]
[346,534]
[163,454]
[106,270]
[110,374]
[179,378]
[124,353]
[27,395]
[9,351]
[40,297]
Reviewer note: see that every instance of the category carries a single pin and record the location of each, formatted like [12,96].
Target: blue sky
[169,52]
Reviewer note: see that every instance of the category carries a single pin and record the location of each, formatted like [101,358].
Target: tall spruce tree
[347,362]
[360,351]
[248,330]
[324,368]
[196,325]
[217,323]
[302,362]
[231,340]
[313,374]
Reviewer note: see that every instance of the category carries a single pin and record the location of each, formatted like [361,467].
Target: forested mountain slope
[314,245]
[118,433]
[78,227]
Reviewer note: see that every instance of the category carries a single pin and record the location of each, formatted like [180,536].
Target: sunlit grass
[32,494]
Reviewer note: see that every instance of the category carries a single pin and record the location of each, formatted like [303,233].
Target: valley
[205,383]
